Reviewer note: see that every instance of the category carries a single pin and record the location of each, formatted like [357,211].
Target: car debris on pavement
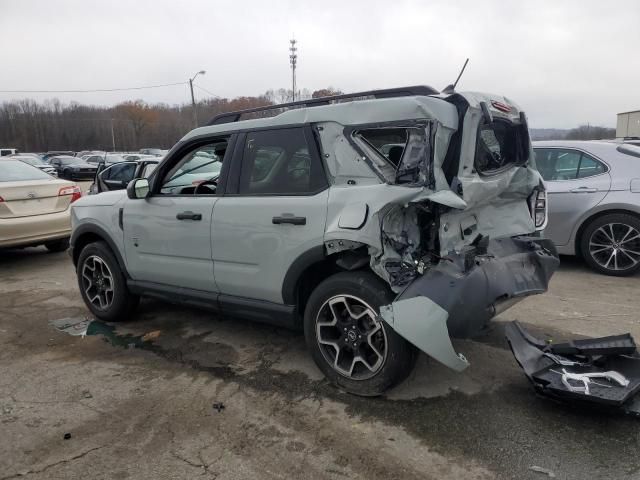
[597,371]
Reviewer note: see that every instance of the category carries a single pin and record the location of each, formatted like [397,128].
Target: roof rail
[230,117]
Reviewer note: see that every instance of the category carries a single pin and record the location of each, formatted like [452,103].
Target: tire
[108,300]
[57,245]
[66,174]
[356,293]
[609,244]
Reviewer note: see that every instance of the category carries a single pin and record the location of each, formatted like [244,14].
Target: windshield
[198,168]
[30,160]
[17,171]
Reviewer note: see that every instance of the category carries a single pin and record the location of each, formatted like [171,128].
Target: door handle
[189,216]
[583,190]
[288,218]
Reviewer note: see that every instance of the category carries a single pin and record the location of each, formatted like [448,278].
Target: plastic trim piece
[424,323]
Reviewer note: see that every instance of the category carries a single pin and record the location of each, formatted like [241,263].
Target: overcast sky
[564,62]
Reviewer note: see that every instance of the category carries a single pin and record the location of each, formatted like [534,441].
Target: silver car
[594,201]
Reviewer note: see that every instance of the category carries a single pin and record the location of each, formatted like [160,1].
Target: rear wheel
[57,245]
[348,340]
[102,284]
[611,244]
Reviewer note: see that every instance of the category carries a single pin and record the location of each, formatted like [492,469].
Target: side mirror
[138,188]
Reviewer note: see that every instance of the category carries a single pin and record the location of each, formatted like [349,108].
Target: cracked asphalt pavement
[138,398]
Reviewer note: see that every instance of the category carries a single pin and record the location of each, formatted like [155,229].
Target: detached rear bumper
[462,293]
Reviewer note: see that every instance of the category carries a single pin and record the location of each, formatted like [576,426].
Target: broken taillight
[538,208]
[74,191]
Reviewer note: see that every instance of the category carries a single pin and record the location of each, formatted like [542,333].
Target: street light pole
[193,98]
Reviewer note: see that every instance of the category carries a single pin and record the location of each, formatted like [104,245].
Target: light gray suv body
[381,222]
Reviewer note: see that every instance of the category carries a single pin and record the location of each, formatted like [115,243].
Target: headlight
[538,208]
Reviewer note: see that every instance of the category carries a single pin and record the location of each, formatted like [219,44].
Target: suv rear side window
[566,164]
[499,145]
[280,162]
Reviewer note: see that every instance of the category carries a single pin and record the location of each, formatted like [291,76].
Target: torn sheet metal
[424,323]
[599,371]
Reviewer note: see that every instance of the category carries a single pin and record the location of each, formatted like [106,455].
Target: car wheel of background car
[57,245]
[103,285]
[610,244]
[67,174]
[348,340]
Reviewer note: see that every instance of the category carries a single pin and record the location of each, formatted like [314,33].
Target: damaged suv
[380,222]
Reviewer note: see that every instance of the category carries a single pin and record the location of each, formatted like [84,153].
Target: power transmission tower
[293,60]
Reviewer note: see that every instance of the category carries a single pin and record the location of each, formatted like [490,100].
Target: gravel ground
[137,399]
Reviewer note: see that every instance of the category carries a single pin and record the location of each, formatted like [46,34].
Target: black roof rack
[230,117]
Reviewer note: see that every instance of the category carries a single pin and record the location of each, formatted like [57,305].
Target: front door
[274,214]
[115,177]
[576,182]
[167,235]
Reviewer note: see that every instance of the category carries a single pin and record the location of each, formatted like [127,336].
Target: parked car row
[593,189]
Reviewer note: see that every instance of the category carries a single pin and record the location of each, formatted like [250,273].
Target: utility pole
[293,60]
[193,98]
[113,138]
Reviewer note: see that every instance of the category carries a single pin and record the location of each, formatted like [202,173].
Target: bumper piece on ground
[599,371]
[424,323]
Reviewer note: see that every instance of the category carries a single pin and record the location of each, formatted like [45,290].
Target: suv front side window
[280,162]
[198,168]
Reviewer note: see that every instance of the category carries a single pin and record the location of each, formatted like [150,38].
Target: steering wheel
[213,182]
[298,173]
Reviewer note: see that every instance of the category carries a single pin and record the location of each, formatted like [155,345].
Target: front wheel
[348,340]
[102,284]
[611,244]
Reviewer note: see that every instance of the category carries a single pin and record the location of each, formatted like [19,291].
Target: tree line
[32,126]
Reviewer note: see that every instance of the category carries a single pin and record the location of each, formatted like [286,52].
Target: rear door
[576,182]
[273,211]
[116,177]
